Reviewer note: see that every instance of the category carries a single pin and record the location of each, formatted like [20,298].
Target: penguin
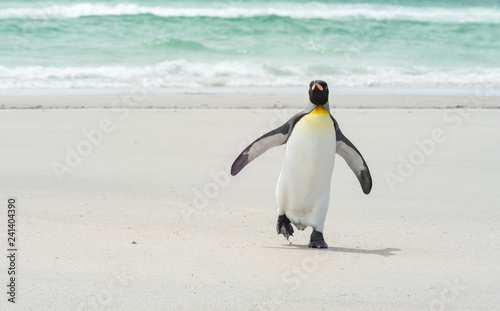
[312,139]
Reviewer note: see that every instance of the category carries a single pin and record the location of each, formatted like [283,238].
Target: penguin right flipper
[274,138]
[354,159]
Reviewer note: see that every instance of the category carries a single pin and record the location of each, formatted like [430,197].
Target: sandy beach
[134,209]
[119,122]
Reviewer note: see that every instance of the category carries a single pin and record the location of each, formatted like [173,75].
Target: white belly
[303,190]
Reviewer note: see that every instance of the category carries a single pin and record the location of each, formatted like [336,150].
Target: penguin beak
[318,85]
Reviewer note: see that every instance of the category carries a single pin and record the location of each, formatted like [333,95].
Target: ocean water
[208,44]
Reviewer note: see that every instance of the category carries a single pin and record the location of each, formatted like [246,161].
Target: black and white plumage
[313,136]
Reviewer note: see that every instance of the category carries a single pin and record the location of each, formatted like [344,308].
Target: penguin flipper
[274,138]
[354,159]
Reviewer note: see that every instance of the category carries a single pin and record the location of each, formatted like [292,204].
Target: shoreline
[143,100]
[409,91]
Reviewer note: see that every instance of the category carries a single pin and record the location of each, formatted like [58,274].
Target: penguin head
[318,92]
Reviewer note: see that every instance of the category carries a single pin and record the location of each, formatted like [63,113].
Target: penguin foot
[284,226]
[317,240]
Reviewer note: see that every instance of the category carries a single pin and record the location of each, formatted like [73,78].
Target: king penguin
[312,138]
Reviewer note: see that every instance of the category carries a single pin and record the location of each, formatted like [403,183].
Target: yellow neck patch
[320,110]
[319,120]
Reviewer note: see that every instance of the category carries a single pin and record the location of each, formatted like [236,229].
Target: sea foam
[294,10]
[185,74]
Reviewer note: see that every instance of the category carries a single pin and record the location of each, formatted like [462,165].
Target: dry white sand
[150,220]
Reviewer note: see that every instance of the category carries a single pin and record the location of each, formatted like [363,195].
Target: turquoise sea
[157,44]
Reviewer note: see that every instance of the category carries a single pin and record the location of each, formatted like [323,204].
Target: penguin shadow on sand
[386,252]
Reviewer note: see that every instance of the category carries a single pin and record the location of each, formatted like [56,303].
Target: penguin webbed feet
[317,240]
[284,226]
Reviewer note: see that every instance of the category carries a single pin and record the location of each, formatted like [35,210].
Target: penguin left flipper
[274,138]
[353,158]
